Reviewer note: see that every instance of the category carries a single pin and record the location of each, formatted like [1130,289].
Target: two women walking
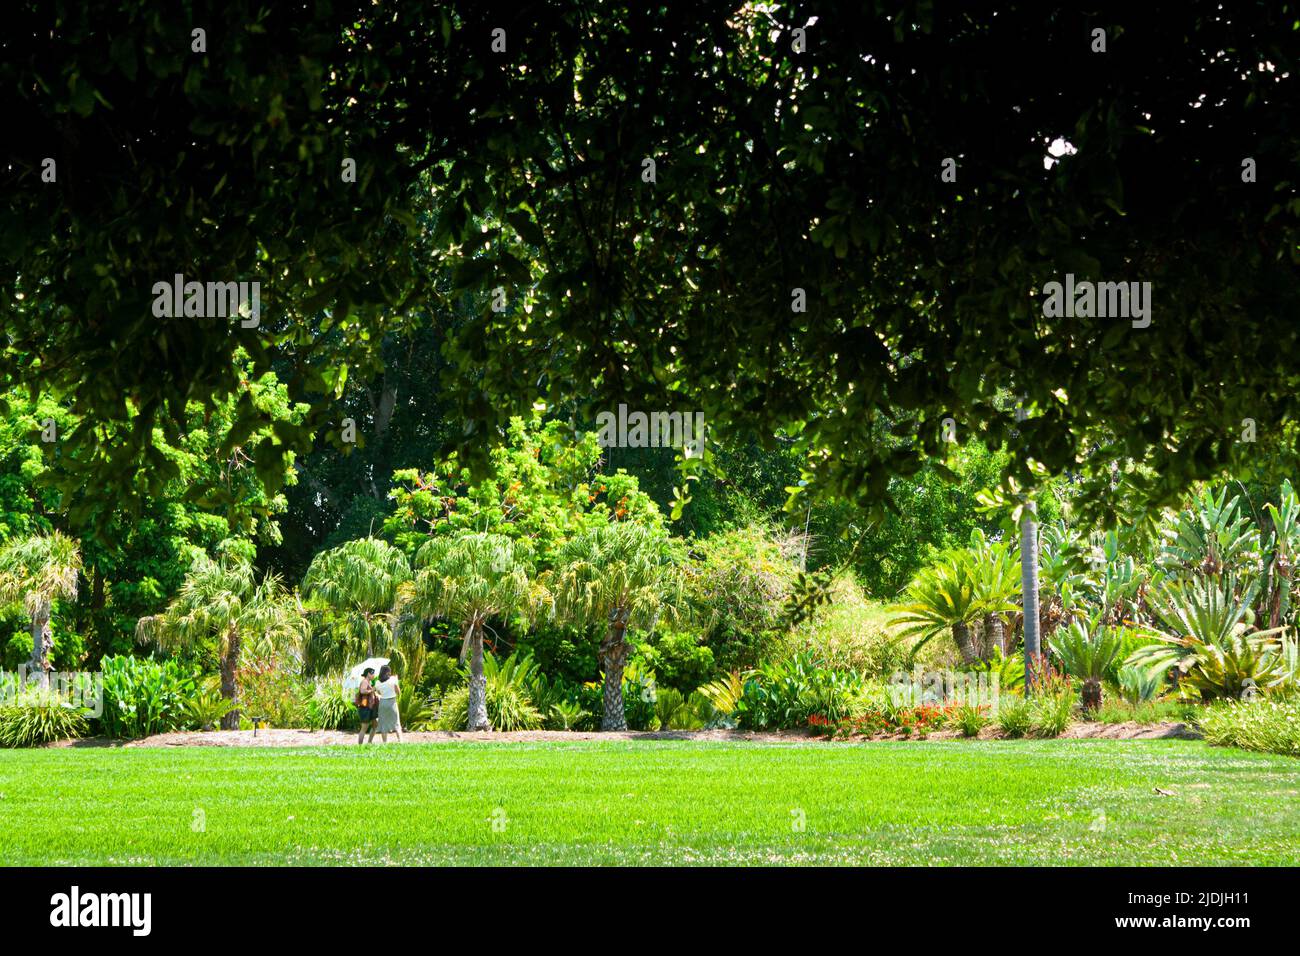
[376,702]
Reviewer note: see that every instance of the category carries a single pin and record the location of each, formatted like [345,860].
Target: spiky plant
[1209,640]
[471,578]
[1086,651]
[1212,537]
[358,582]
[37,571]
[945,597]
[618,574]
[223,598]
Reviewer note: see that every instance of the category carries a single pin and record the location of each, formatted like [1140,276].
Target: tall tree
[357,585]
[224,599]
[1029,590]
[471,578]
[620,575]
[39,570]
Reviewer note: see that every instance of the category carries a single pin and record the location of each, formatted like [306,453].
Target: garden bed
[325,738]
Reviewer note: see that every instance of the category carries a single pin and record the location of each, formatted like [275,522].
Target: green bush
[739,580]
[852,633]
[1051,710]
[268,689]
[441,671]
[329,706]
[145,697]
[204,710]
[36,717]
[509,701]
[1267,725]
[1015,716]
[970,719]
[678,660]
[787,693]
[508,709]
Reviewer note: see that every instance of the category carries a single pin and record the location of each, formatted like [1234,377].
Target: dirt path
[321,738]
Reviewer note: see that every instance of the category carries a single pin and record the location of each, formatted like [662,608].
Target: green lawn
[661,802]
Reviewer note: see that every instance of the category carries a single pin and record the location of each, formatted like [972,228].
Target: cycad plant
[358,583]
[1086,651]
[1281,546]
[224,599]
[1211,537]
[1209,639]
[619,574]
[37,571]
[947,597]
[997,584]
[471,578]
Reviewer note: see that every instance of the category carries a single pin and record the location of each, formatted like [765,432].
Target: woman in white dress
[388,721]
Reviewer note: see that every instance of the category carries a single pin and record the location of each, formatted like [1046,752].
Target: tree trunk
[229,688]
[478,716]
[1091,695]
[613,655]
[995,635]
[1029,589]
[42,644]
[961,634]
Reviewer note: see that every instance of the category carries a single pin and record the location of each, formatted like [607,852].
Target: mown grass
[662,802]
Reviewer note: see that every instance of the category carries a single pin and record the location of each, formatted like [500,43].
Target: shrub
[1267,725]
[268,689]
[509,702]
[852,633]
[678,660]
[740,580]
[441,671]
[970,719]
[508,709]
[204,710]
[329,706]
[676,712]
[145,697]
[38,717]
[414,711]
[1015,716]
[787,693]
[1051,714]
[566,715]
[1137,686]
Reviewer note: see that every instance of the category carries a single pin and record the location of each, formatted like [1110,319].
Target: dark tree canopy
[776,168]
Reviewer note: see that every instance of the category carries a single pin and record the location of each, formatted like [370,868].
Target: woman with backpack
[367,702]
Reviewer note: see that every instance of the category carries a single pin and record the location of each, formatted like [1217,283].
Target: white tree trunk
[1029,589]
[42,644]
[478,716]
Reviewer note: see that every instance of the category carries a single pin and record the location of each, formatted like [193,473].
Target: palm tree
[944,597]
[39,570]
[359,582]
[223,599]
[619,574]
[471,578]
